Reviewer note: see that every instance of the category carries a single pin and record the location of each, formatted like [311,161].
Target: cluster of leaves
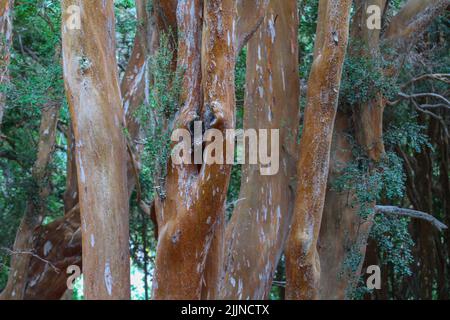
[158,114]
[394,242]
[371,183]
[364,79]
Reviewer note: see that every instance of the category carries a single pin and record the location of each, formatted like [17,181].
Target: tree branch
[391,210]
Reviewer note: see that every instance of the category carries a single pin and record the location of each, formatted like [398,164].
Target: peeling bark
[93,92]
[256,234]
[302,260]
[60,244]
[190,216]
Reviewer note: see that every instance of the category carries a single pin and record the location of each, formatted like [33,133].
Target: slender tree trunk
[23,250]
[194,208]
[302,260]
[256,234]
[6,7]
[93,92]
[344,232]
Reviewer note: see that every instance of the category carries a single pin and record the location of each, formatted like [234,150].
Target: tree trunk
[65,234]
[194,208]
[5,46]
[256,234]
[23,250]
[344,232]
[302,260]
[341,219]
[93,92]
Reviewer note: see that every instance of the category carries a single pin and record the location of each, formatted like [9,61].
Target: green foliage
[373,182]
[394,242]
[409,134]
[236,173]
[126,23]
[363,79]
[36,80]
[370,183]
[164,103]
[306,34]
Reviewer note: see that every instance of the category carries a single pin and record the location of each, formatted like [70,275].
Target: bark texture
[256,234]
[193,211]
[302,260]
[93,92]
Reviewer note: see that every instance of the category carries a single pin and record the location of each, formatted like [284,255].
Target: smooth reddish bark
[256,234]
[302,260]
[93,92]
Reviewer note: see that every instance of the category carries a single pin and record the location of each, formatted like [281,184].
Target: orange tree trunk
[6,7]
[194,208]
[64,234]
[302,261]
[93,92]
[256,234]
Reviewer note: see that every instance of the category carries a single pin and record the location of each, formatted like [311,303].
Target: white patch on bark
[47,247]
[82,174]
[92,240]
[272,29]
[108,278]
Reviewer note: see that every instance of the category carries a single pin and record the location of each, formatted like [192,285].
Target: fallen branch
[391,210]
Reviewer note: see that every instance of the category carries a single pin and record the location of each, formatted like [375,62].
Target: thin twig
[11,252]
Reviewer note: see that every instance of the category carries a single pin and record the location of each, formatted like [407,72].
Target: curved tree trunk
[302,260]
[257,231]
[92,88]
